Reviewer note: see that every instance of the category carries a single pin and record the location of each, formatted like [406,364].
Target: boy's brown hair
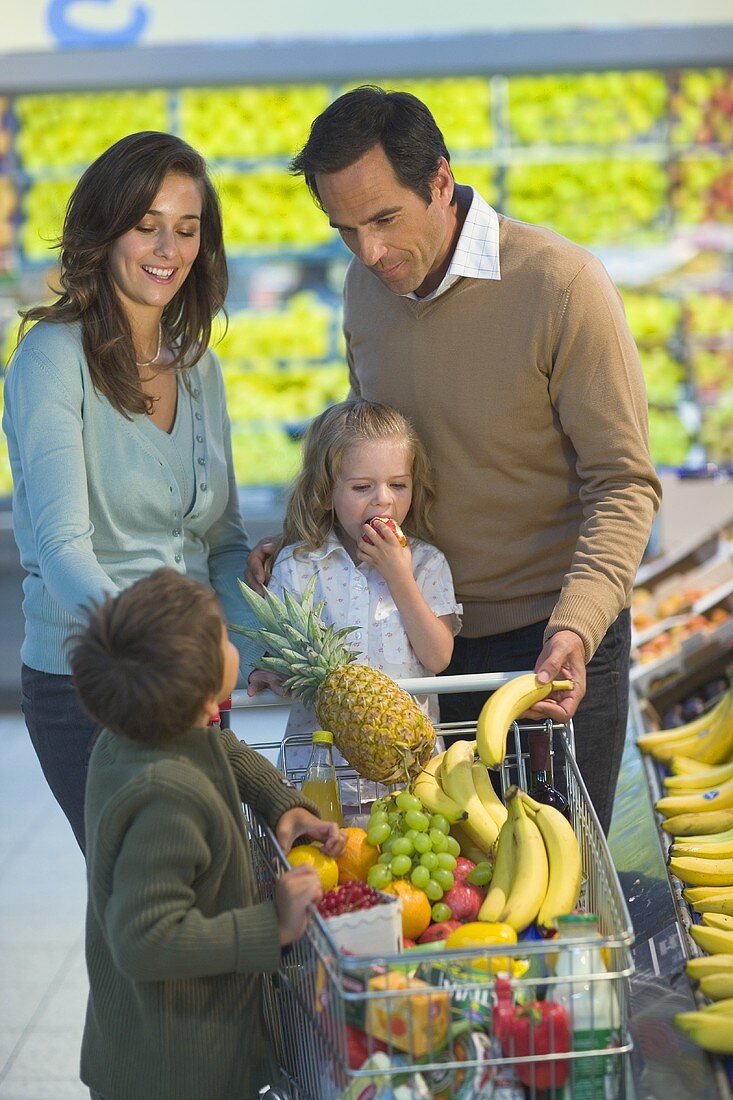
[150,657]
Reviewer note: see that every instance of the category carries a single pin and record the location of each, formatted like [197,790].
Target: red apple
[375,521]
[462,868]
[464,900]
[439,931]
[407,943]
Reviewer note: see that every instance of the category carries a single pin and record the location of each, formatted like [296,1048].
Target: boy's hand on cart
[562,658]
[259,562]
[294,892]
[262,678]
[301,822]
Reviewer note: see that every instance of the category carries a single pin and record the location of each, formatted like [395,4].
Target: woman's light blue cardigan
[95,502]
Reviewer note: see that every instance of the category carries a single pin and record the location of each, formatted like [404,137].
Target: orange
[325,866]
[415,907]
[357,857]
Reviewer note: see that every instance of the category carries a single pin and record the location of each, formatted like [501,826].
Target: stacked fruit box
[543,148]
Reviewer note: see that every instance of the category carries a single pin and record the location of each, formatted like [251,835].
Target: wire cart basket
[436,1037]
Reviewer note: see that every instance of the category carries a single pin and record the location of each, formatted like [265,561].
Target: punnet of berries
[349,898]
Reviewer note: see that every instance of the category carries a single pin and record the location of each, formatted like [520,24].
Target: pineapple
[376,725]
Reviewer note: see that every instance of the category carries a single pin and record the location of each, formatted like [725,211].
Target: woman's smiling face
[150,263]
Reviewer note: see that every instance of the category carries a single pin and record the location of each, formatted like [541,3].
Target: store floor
[43,979]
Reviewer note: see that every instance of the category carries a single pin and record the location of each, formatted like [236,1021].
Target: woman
[117,425]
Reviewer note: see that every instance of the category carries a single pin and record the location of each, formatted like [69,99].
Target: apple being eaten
[385,521]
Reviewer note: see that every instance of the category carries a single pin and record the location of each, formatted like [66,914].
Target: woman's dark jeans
[601,719]
[62,735]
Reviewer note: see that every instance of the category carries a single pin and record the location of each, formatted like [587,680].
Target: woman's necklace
[149,362]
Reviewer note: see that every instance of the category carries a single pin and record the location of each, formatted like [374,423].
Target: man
[507,347]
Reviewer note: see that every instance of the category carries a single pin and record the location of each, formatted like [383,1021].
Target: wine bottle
[542,782]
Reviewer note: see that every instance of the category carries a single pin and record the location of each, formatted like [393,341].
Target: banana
[469,849]
[711,905]
[717,920]
[713,743]
[685,765]
[710,821]
[457,782]
[563,857]
[694,894]
[702,872]
[502,708]
[504,869]
[716,798]
[687,729]
[707,838]
[698,780]
[724,1007]
[713,940]
[432,795]
[531,875]
[715,850]
[717,986]
[712,1032]
[485,790]
[709,964]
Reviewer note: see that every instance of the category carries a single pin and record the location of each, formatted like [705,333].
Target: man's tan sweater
[529,396]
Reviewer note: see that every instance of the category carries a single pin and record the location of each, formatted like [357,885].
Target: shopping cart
[321,999]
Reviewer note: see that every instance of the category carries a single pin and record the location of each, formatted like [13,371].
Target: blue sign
[71,34]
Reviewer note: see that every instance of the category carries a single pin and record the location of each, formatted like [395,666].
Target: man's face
[389,228]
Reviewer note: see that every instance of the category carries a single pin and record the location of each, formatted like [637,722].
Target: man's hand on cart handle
[562,658]
[259,562]
[301,822]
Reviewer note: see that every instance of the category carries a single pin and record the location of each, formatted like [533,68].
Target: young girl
[361,461]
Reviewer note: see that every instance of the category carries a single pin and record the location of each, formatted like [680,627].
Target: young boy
[176,939]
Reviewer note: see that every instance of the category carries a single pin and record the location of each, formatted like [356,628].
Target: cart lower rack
[419,1024]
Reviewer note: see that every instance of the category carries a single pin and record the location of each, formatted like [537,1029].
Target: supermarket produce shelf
[664,1062]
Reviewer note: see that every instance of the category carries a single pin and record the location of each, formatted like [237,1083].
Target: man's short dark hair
[150,657]
[368,116]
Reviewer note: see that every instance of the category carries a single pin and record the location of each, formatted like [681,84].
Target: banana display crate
[320,992]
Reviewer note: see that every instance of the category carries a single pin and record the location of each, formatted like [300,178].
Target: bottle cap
[322,737]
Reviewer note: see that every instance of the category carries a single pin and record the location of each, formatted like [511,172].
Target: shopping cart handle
[417,685]
[450,685]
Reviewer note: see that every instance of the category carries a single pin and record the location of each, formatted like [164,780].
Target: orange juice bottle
[320,784]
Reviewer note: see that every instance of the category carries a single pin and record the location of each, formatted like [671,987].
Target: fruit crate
[319,997]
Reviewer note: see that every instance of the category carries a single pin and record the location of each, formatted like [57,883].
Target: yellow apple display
[71,130]
[249,121]
[605,108]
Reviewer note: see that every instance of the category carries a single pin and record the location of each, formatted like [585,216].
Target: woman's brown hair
[309,515]
[112,196]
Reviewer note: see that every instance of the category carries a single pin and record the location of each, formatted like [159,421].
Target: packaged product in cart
[416,1021]
[592,1006]
[321,784]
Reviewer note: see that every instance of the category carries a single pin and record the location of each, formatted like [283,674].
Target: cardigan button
[202,486]
[178,557]
[175,532]
[198,416]
[201,461]
[199,439]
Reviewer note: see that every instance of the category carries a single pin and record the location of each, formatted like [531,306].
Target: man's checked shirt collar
[476,254]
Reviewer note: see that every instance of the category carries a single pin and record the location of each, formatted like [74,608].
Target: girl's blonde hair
[309,517]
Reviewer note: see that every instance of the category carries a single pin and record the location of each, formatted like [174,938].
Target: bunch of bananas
[505,706]
[707,739]
[455,785]
[711,1028]
[537,873]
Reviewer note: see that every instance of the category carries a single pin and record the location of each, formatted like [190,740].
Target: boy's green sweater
[177,937]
